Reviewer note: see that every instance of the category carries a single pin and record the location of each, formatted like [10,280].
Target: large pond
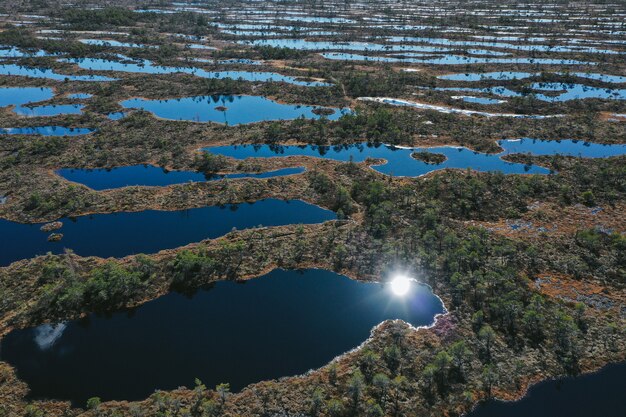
[148,175]
[557,92]
[401,163]
[121,234]
[281,324]
[514,75]
[22,99]
[448,59]
[49,110]
[597,394]
[47,73]
[147,67]
[503,45]
[231,110]
[18,96]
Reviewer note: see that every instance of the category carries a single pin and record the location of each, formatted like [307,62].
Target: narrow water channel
[149,231]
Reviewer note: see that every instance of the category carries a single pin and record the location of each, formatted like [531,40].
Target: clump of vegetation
[429,157]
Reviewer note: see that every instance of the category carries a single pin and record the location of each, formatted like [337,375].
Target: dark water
[600,394]
[281,324]
[121,234]
[400,162]
[149,175]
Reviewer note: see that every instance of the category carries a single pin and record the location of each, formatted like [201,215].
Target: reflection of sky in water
[147,67]
[232,110]
[451,59]
[50,110]
[46,131]
[564,91]
[18,96]
[47,73]
[283,323]
[47,335]
[514,75]
[148,175]
[124,233]
[401,163]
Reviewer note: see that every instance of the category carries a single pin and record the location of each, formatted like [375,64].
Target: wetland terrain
[312,208]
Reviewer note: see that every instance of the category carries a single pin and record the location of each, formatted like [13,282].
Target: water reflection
[281,324]
[231,110]
[400,161]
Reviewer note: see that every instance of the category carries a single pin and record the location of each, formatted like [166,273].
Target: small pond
[148,175]
[121,234]
[13,52]
[231,110]
[113,43]
[280,324]
[18,96]
[46,131]
[49,110]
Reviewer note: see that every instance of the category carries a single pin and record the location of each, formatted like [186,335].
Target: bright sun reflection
[400,285]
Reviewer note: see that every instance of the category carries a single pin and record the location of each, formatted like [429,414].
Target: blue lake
[147,67]
[47,73]
[46,131]
[514,75]
[401,163]
[565,92]
[49,110]
[576,92]
[239,109]
[303,44]
[399,160]
[12,52]
[121,234]
[450,59]
[503,45]
[566,147]
[148,175]
[18,96]
[280,324]
[113,43]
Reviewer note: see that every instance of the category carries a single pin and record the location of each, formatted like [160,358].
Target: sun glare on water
[400,285]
